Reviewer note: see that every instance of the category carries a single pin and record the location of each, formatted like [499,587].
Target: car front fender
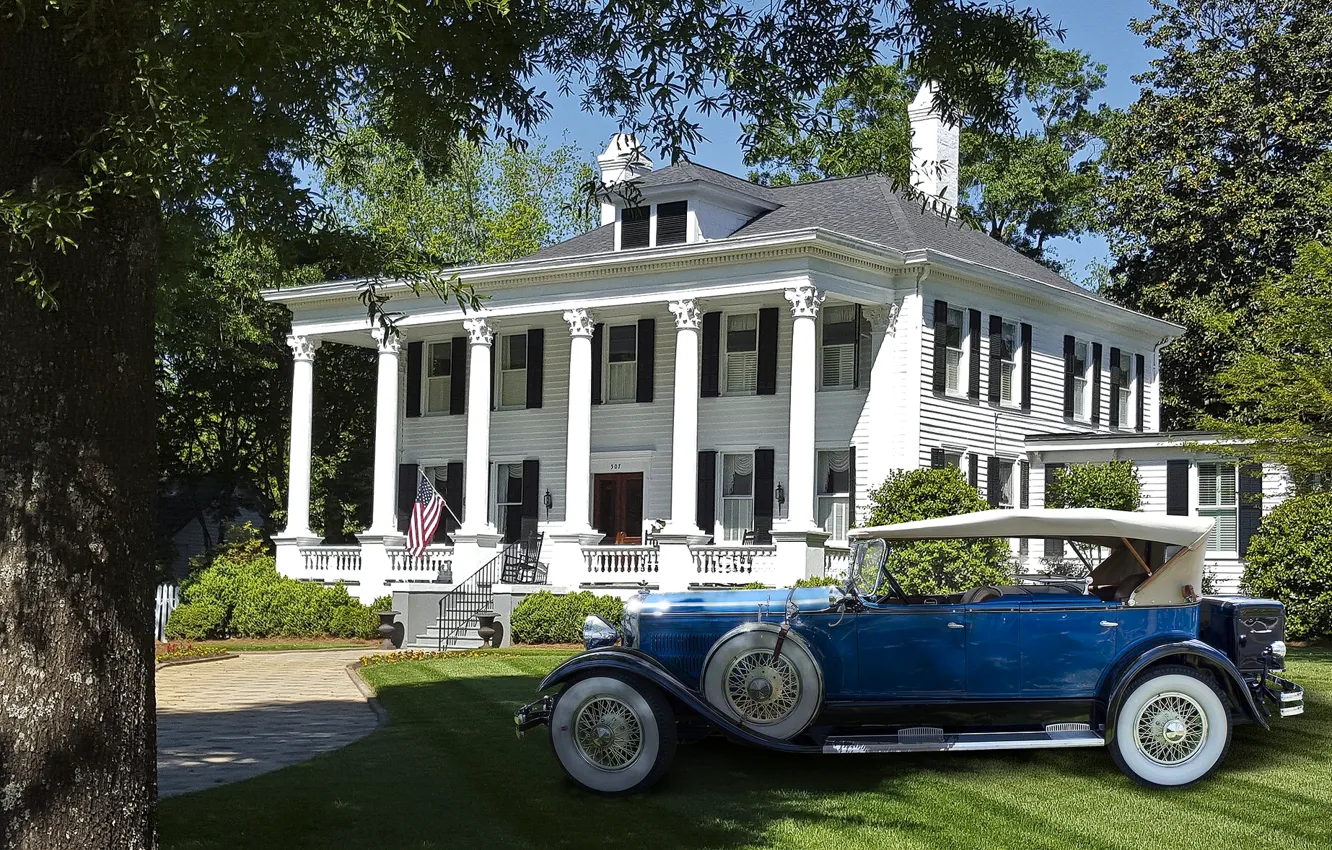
[618,659]
[1191,651]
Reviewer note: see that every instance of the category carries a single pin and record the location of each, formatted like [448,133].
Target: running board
[932,739]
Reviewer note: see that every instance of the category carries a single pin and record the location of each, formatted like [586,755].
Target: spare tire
[777,697]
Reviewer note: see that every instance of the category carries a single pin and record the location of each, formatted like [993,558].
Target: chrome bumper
[534,714]
[1287,696]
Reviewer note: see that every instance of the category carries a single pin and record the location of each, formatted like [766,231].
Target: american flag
[426,511]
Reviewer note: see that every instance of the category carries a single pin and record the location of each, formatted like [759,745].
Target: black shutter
[1096,383]
[860,334]
[453,497]
[708,385]
[406,493]
[531,487]
[705,501]
[598,339]
[1140,367]
[992,481]
[1054,546]
[1024,484]
[1177,487]
[767,351]
[536,365]
[996,357]
[494,357]
[1117,379]
[672,223]
[851,490]
[765,465]
[1026,366]
[458,376]
[414,353]
[973,468]
[940,346]
[1250,503]
[1070,345]
[634,224]
[973,372]
[937,459]
[647,358]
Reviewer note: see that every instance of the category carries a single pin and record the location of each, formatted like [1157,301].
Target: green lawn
[447,772]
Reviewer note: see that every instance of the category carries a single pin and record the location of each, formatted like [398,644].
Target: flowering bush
[174,650]
[433,655]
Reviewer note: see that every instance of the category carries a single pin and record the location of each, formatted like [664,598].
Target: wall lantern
[548,501]
[780,494]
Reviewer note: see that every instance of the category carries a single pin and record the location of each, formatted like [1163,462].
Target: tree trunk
[77,724]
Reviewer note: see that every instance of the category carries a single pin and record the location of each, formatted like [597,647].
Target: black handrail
[458,607]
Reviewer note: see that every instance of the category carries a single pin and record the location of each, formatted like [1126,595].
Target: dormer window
[634,227]
[673,223]
[671,226]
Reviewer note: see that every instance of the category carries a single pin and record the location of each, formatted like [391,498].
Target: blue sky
[1098,28]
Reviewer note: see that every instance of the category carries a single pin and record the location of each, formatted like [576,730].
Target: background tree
[937,566]
[1024,185]
[115,115]
[1214,176]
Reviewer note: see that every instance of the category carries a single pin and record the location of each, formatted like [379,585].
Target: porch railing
[338,560]
[836,560]
[435,565]
[735,564]
[622,563]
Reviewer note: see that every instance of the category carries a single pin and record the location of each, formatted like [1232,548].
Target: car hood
[771,601]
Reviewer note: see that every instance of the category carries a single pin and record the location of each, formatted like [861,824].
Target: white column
[476,472]
[302,410]
[383,516]
[805,301]
[684,432]
[578,460]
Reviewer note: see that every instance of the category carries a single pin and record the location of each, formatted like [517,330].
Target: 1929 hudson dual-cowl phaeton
[1127,657]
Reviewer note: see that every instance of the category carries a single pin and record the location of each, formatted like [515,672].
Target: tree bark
[77,481]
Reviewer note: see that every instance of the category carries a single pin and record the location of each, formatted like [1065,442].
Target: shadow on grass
[448,772]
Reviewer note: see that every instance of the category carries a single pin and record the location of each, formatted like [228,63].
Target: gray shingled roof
[861,207]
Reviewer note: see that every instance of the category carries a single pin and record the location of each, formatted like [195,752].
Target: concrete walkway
[223,721]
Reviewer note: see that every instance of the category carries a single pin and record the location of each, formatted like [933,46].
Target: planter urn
[487,629]
[386,628]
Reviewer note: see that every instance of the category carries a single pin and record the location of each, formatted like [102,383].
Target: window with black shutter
[1026,366]
[1250,503]
[646,360]
[634,227]
[709,383]
[413,400]
[705,501]
[673,223]
[1177,487]
[974,354]
[1140,377]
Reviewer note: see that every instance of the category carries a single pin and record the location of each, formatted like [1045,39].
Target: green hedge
[546,618]
[237,592]
[1290,559]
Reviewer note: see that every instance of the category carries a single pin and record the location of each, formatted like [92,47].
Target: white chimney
[934,149]
[623,160]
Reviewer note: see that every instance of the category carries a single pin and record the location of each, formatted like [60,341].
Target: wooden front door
[618,507]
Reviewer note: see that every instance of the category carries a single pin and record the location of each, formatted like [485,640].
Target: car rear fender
[1193,653]
[617,659]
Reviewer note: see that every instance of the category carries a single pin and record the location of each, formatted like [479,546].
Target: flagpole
[420,471]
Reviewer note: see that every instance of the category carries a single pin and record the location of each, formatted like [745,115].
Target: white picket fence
[168,597]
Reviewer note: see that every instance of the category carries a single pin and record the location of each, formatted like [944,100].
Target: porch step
[920,739]
[466,638]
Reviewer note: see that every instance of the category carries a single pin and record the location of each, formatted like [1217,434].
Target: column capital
[687,314]
[580,321]
[805,301]
[479,330]
[883,318]
[388,340]
[302,347]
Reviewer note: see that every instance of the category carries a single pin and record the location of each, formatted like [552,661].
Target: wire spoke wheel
[762,689]
[608,733]
[1171,728]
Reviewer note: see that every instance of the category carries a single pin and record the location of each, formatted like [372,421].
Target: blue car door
[915,651]
[1067,643]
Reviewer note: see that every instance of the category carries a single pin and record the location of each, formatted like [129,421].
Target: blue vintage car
[1127,657]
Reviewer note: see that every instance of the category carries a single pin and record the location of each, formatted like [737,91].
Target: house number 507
[616,467]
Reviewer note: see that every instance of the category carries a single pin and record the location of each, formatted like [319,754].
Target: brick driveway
[223,721]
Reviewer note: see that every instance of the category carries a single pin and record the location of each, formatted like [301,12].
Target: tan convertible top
[1171,582]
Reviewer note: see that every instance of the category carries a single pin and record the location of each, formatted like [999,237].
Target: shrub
[1290,559]
[353,621]
[1113,485]
[546,618]
[196,621]
[283,606]
[382,603]
[223,576]
[937,566]
[818,581]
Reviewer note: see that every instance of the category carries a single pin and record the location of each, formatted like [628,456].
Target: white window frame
[606,366]
[726,354]
[495,503]
[429,379]
[852,348]
[502,373]
[1010,465]
[961,351]
[1218,509]
[721,532]
[1082,412]
[1011,365]
[1126,390]
[960,454]
[820,497]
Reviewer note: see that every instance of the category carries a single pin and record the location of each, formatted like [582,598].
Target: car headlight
[1278,650]
[598,633]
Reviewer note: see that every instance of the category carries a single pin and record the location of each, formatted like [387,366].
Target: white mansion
[705,388]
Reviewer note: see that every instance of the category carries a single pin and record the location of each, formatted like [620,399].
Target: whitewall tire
[613,735]
[1172,730]
[777,697]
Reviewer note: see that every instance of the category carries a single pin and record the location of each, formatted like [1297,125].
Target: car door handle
[957,625]
[1106,624]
